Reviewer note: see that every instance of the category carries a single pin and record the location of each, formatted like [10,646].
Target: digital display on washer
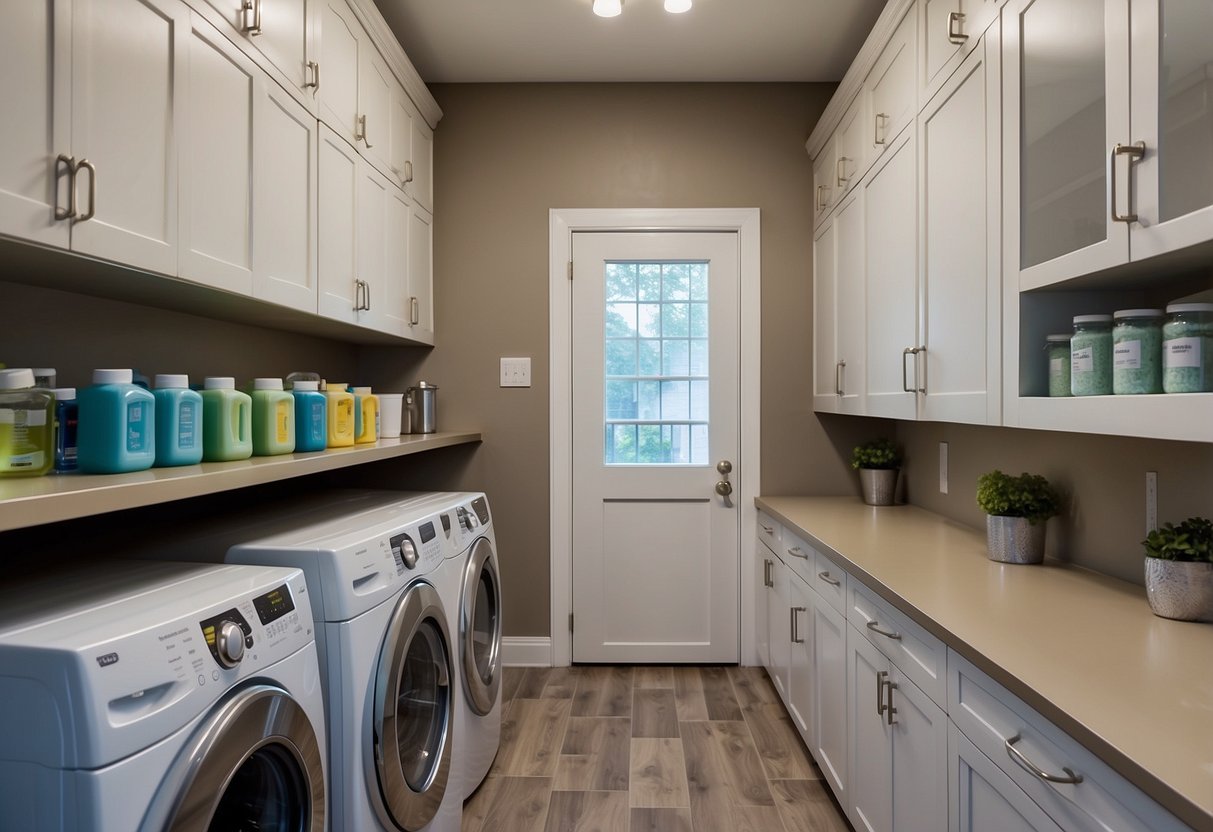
[274,604]
[427,532]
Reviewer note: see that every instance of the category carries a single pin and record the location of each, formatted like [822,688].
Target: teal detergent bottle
[116,432]
[178,422]
[311,410]
[227,421]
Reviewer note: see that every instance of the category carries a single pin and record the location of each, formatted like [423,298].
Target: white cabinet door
[1172,107]
[948,30]
[279,29]
[421,186]
[1065,108]
[920,758]
[398,240]
[890,257]
[374,193]
[824,191]
[829,697]
[850,322]
[891,89]
[375,84]
[35,86]
[851,152]
[128,80]
[401,155]
[800,662]
[341,43]
[870,792]
[339,169]
[216,173]
[983,797]
[826,372]
[959,197]
[777,627]
[762,582]
[421,277]
[285,142]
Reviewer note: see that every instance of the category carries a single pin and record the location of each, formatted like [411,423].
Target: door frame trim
[562,223]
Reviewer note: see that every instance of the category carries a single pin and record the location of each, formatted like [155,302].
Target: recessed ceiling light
[677,6]
[608,8]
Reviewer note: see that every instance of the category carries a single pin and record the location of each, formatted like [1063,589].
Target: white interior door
[655,357]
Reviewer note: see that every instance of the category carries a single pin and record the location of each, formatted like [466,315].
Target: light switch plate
[516,372]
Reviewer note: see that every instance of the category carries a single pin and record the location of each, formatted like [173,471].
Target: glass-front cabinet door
[1065,76]
[1172,103]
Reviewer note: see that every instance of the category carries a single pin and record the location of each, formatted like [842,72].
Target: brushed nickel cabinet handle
[905,381]
[797,552]
[825,576]
[414,311]
[796,639]
[69,164]
[880,677]
[954,34]
[1135,152]
[1071,779]
[766,572]
[251,10]
[360,131]
[874,626]
[408,171]
[92,190]
[878,136]
[820,204]
[315,70]
[889,709]
[838,377]
[840,168]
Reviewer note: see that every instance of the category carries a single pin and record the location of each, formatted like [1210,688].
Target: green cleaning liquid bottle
[227,421]
[273,418]
[27,439]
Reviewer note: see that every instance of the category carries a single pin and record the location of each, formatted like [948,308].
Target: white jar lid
[1120,314]
[219,383]
[1059,338]
[113,376]
[172,381]
[362,390]
[1172,308]
[64,394]
[267,384]
[1092,319]
[16,379]
[306,386]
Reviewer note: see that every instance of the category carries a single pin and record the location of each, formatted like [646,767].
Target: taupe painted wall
[1102,477]
[507,154]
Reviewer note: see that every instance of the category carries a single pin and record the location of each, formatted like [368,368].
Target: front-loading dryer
[160,697]
[387,651]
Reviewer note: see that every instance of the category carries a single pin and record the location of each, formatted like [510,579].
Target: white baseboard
[526,651]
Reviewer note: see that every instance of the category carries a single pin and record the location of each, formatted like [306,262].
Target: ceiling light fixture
[608,8]
[677,6]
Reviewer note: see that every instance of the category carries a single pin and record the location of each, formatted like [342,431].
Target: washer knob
[408,553]
[230,644]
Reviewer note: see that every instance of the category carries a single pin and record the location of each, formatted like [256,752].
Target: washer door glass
[422,706]
[267,794]
[485,626]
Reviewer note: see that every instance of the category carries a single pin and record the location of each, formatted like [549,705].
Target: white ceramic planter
[1180,589]
[1015,540]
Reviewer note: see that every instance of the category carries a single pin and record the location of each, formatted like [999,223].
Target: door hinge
[570,622]
[570,270]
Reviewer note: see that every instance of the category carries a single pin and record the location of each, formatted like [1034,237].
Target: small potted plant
[1179,570]
[1018,509]
[877,462]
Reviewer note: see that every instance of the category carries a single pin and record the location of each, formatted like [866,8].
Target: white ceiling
[464,41]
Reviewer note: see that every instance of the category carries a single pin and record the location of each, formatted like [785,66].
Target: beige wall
[507,154]
[1102,477]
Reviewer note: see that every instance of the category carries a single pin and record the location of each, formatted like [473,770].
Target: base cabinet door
[777,626]
[35,86]
[762,585]
[984,798]
[800,662]
[829,697]
[870,796]
[920,754]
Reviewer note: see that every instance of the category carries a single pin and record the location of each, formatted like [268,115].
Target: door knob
[724,488]
[724,467]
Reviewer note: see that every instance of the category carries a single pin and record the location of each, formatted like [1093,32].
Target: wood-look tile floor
[649,749]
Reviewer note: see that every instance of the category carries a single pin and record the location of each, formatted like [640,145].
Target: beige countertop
[1081,648]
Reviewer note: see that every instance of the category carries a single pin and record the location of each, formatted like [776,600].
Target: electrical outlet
[1151,501]
[516,372]
[943,467]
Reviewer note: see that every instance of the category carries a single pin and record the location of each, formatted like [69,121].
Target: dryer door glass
[485,626]
[422,705]
[480,629]
[267,793]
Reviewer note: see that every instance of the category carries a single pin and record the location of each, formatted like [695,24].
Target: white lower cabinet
[829,697]
[763,558]
[984,798]
[777,627]
[800,662]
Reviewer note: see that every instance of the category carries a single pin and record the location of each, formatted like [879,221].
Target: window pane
[674,358]
[674,400]
[621,399]
[699,401]
[649,405]
[620,358]
[624,443]
[650,358]
[652,449]
[699,281]
[680,443]
[650,320]
[699,320]
[699,357]
[650,281]
[699,445]
[621,281]
[675,320]
[620,320]
[675,282]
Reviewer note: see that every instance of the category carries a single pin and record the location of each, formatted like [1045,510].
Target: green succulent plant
[1028,495]
[1191,540]
[881,454]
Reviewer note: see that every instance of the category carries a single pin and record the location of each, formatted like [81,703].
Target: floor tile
[654,714]
[587,812]
[805,806]
[531,736]
[661,820]
[595,754]
[518,804]
[783,754]
[658,777]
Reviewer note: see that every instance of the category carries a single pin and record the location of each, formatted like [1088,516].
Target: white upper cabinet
[400,157]
[341,292]
[948,30]
[375,85]
[850,321]
[340,58]
[398,309]
[826,370]
[127,119]
[279,31]
[851,150]
[420,295]
[958,372]
[825,193]
[35,86]
[890,88]
[421,186]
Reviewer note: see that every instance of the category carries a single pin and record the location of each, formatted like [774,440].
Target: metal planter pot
[1180,589]
[879,485]
[1015,540]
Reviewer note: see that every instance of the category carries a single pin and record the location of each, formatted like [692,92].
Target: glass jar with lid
[1057,353]
[1137,352]
[1091,356]
[1187,348]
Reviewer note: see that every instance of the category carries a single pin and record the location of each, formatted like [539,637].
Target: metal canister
[422,408]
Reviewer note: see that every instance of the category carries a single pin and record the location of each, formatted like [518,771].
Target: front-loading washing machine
[378,572]
[160,697]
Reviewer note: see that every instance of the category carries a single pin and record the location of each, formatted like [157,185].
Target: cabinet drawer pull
[878,136]
[874,626]
[838,377]
[767,529]
[839,169]
[797,552]
[905,380]
[825,576]
[766,572]
[889,709]
[954,34]
[408,171]
[880,677]
[1135,152]
[92,190]
[251,10]
[414,311]
[796,639]
[315,69]
[1071,779]
[820,190]
[69,163]
[360,132]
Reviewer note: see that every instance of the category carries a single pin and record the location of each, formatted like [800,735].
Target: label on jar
[1181,352]
[28,418]
[1126,355]
[1057,366]
[1082,360]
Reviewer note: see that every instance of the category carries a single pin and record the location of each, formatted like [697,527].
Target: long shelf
[52,498]
[1186,417]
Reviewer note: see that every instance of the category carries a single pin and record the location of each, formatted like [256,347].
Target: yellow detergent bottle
[340,415]
[369,428]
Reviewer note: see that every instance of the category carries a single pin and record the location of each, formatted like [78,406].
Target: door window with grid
[656,363]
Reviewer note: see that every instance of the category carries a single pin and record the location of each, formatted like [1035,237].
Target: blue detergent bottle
[178,421]
[311,417]
[117,425]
